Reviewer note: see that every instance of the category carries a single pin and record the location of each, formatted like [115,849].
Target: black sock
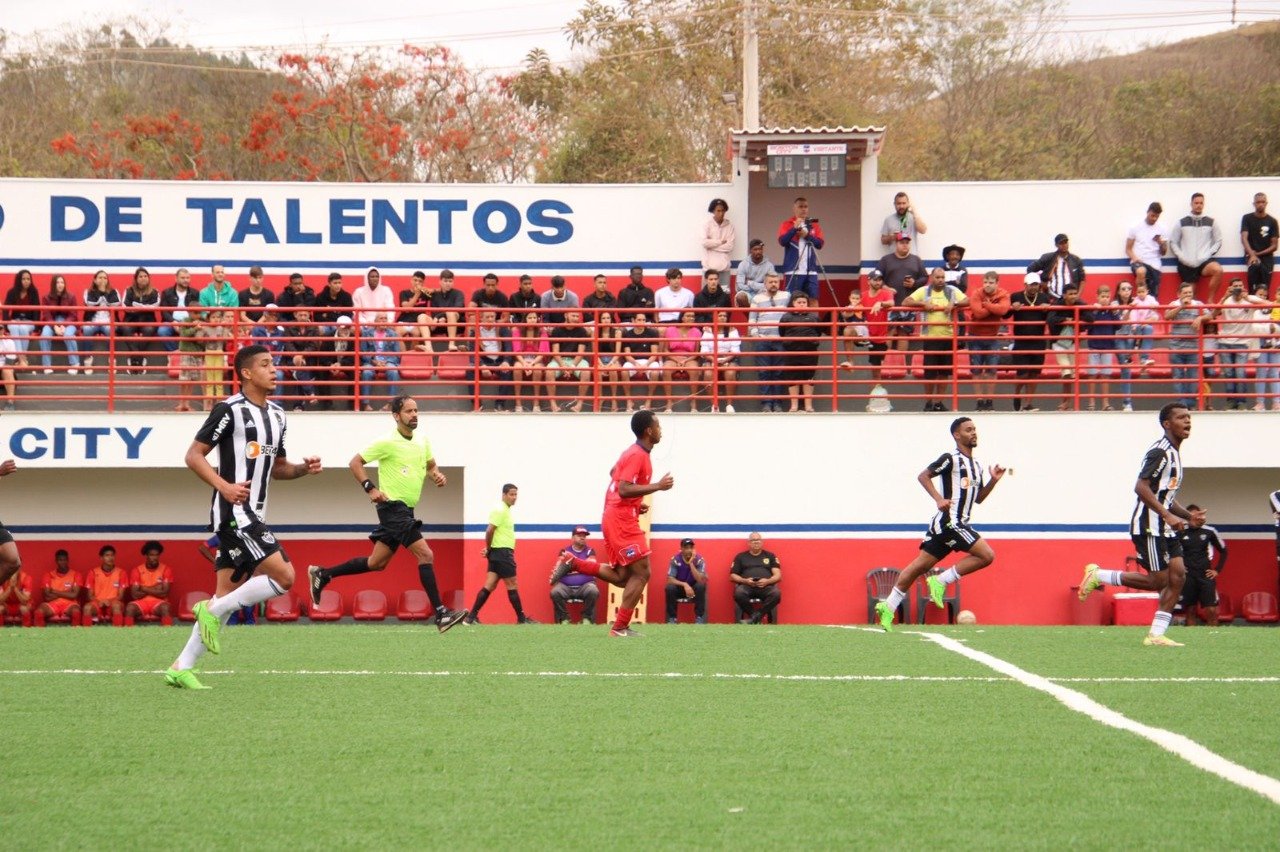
[355,565]
[480,599]
[427,575]
[1017,403]
[514,597]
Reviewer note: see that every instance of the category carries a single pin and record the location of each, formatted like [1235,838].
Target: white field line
[1183,747]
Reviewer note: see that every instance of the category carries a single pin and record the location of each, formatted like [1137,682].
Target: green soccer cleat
[885,615]
[209,627]
[183,679]
[937,590]
[1090,581]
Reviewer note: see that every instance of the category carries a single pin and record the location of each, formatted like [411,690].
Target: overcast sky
[498,33]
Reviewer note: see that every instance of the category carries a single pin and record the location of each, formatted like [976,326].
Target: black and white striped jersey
[246,440]
[961,478]
[1275,507]
[1162,470]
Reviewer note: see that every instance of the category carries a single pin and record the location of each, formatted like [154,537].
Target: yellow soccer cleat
[1161,641]
[1090,583]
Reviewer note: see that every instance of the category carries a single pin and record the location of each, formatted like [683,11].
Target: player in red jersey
[624,541]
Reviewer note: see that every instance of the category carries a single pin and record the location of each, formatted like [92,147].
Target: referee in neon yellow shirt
[500,550]
[404,463]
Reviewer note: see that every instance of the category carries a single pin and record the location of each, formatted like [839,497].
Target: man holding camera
[800,238]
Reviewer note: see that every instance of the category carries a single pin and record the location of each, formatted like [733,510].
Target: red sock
[623,621]
[75,619]
[166,621]
[590,567]
[117,620]
[39,618]
[129,621]
[26,619]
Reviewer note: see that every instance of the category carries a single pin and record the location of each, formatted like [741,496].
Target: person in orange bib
[61,592]
[151,582]
[15,599]
[107,585]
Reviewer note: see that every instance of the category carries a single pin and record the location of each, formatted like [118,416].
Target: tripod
[815,265]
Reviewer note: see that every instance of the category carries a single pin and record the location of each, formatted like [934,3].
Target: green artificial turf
[692,736]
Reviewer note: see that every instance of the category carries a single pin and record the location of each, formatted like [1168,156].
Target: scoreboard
[803,166]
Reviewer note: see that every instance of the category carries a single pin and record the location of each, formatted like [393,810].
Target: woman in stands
[22,311]
[721,347]
[59,322]
[530,348]
[681,342]
[609,360]
[103,299]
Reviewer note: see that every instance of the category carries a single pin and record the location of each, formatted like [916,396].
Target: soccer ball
[966,616]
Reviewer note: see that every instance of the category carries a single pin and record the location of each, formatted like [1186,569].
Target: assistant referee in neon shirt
[404,463]
[500,551]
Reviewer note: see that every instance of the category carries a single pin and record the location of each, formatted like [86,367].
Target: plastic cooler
[1092,612]
[1135,609]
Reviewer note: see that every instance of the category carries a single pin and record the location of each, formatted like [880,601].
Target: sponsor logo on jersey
[253,450]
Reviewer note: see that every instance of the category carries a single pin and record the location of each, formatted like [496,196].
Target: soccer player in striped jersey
[1275,513]
[247,430]
[10,561]
[963,485]
[1157,519]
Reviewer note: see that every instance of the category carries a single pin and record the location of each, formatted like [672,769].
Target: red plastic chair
[1225,614]
[414,605]
[453,366]
[416,365]
[369,605]
[330,608]
[283,608]
[189,600]
[1260,608]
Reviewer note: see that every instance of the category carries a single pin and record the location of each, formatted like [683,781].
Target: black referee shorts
[243,549]
[397,526]
[1155,552]
[502,561]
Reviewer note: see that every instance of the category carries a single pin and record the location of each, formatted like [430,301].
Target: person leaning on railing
[987,311]
[799,330]
[1235,337]
[1186,317]
[1267,327]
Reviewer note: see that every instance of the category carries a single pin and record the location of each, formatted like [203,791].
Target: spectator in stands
[16,598]
[219,293]
[1195,242]
[489,296]
[217,337]
[1126,350]
[531,349]
[1186,318]
[1059,267]
[256,296]
[1102,327]
[380,362]
[1063,325]
[151,582]
[987,311]
[903,220]
[1200,544]
[572,585]
[1145,244]
[721,349]
[687,580]
[953,266]
[141,319]
[681,359]
[853,328]
[268,332]
[718,237]
[570,346]
[755,575]
[900,263]
[1267,326]
[447,304]
[751,273]
[557,300]
[1259,234]
[60,322]
[877,304]
[799,330]
[8,358]
[767,309]
[180,296]
[1236,336]
[296,297]
[639,360]
[940,301]
[190,356]
[493,347]
[336,368]
[62,589]
[801,238]
[303,353]
[712,297]
[1143,318]
[635,296]
[1029,310]
[99,322]
[609,360]
[373,303]
[416,322]
[333,302]
[673,299]
[599,299]
[22,312]
[107,585]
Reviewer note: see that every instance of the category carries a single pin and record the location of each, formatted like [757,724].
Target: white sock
[194,649]
[895,597]
[949,576]
[1160,623]
[1110,578]
[256,590]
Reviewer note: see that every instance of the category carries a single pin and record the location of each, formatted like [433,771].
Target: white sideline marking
[1187,749]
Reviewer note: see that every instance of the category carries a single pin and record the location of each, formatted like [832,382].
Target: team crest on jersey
[630,551]
[964,482]
[766,562]
[268,538]
[253,450]
[234,552]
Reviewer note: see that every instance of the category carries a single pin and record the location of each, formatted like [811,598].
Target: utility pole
[750,68]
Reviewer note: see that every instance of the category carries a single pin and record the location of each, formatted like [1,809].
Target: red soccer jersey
[104,586]
[67,582]
[144,576]
[9,591]
[632,466]
[877,323]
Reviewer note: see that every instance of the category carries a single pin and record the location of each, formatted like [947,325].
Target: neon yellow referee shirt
[504,533]
[402,465]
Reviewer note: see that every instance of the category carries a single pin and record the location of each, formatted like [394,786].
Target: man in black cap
[569,585]
[953,265]
[1059,267]
[687,579]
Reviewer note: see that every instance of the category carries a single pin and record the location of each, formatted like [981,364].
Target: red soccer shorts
[624,541]
[147,606]
[60,606]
